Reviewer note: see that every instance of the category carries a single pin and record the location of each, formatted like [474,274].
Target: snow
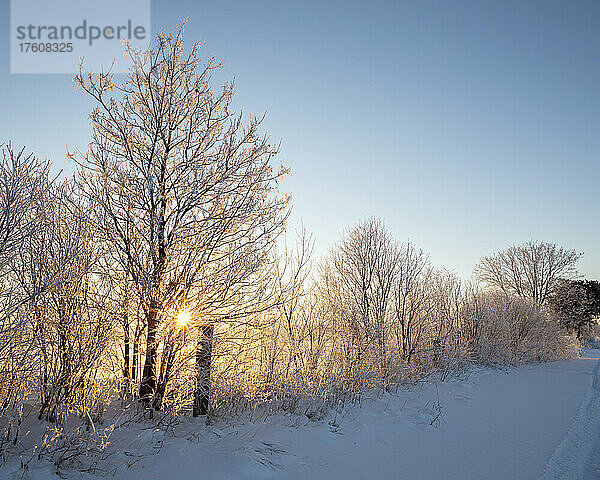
[577,456]
[534,421]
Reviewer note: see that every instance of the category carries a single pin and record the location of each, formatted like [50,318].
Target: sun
[183,318]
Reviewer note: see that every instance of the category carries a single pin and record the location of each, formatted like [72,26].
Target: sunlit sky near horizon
[467,126]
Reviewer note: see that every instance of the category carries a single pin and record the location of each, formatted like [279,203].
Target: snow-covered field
[535,421]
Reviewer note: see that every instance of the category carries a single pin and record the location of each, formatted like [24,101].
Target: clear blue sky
[468,126]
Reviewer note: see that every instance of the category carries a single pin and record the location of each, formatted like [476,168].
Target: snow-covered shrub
[24,185]
[514,330]
[54,329]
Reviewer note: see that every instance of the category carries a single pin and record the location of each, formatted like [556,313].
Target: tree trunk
[203,364]
[126,346]
[126,360]
[134,359]
[166,365]
[136,348]
[148,381]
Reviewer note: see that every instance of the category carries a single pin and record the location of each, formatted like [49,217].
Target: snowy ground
[536,421]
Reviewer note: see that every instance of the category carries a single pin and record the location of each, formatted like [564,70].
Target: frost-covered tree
[70,325]
[184,192]
[530,270]
[24,187]
[412,303]
[364,265]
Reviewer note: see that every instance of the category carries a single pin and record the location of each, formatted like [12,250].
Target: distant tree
[577,304]
[530,270]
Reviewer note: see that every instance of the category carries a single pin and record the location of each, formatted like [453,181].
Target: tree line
[175,213]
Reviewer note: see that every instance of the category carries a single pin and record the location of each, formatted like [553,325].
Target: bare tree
[180,187]
[24,188]
[24,184]
[450,331]
[68,323]
[237,291]
[293,283]
[365,263]
[411,300]
[531,270]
